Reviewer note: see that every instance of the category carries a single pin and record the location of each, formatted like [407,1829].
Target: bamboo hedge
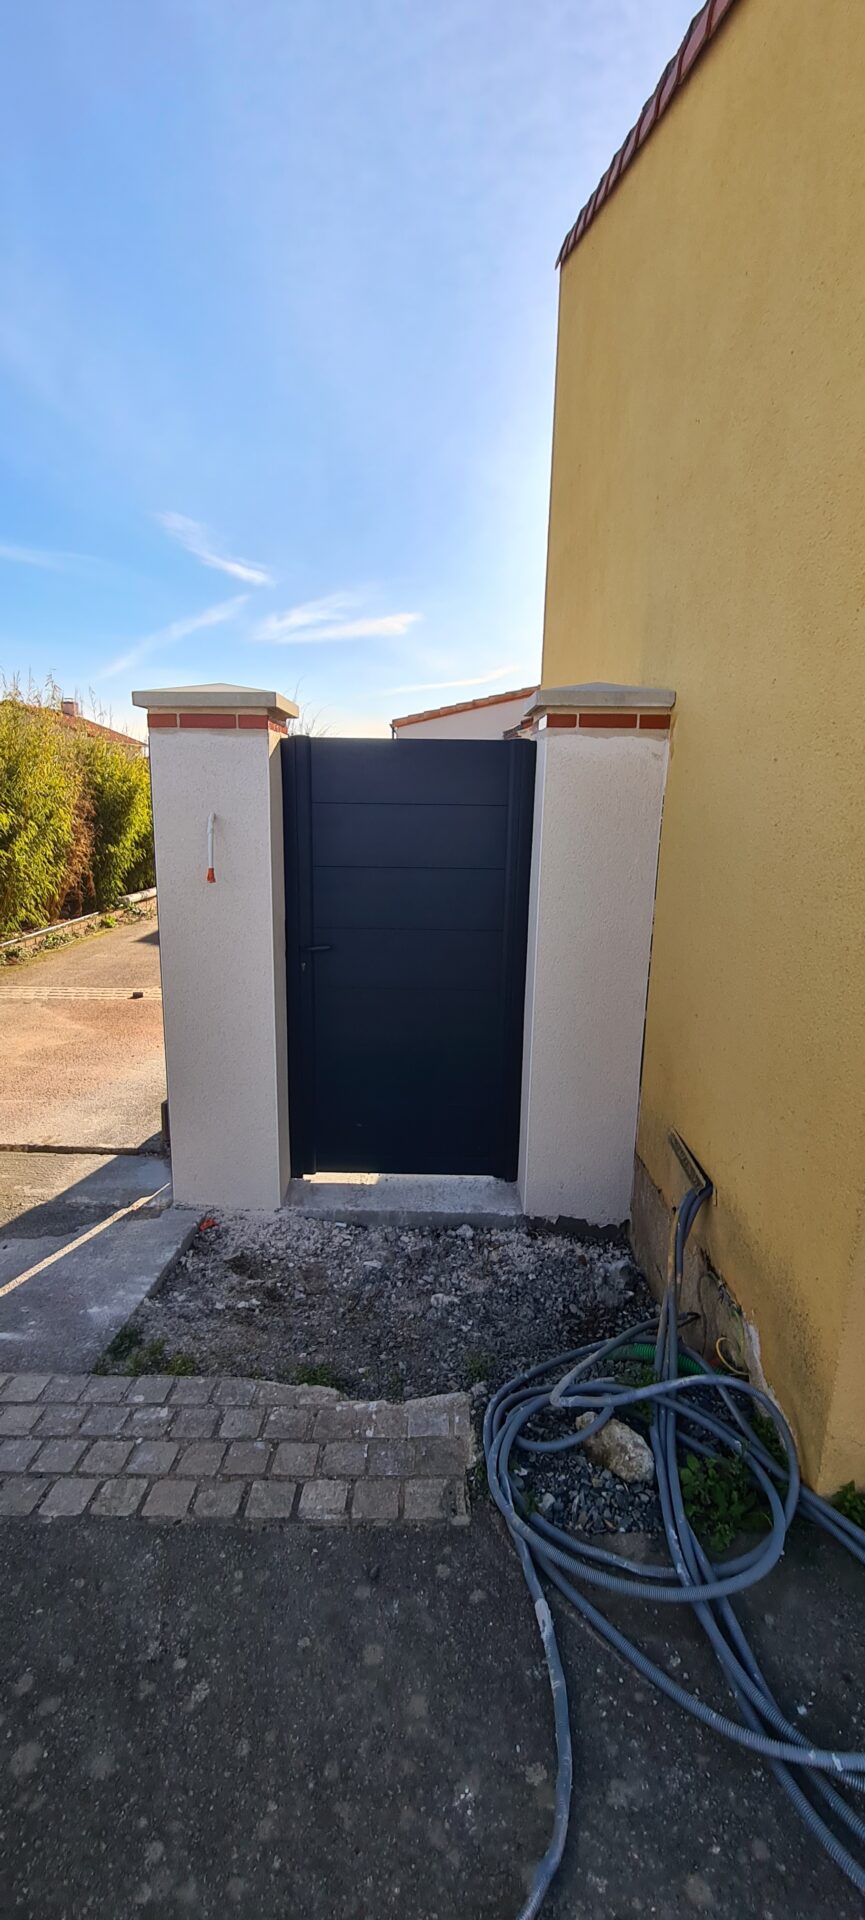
[76,829]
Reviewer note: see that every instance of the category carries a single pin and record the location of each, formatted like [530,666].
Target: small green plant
[181,1364]
[108,920]
[129,1353]
[11,956]
[477,1366]
[767,1432]
[317,1376]
[120,1350]
[53,940]
[636,1374]
[850,1501]
[721,1499]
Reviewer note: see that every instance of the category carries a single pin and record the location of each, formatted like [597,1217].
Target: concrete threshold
[406,1199]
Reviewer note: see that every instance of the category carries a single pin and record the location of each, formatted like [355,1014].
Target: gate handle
[325,949]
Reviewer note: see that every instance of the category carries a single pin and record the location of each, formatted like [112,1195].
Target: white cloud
[320,620]
[34,557]
[445,686]
[196,539]
[176,630]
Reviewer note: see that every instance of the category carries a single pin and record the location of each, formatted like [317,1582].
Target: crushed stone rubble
[394,1313]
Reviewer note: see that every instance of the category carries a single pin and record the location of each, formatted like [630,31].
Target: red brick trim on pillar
[219,722]
[606,720]
[602,706]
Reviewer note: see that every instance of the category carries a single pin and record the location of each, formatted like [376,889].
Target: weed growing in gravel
[721,1499]
[850,1501]
[317,1376]
[767,1432]
[636,1374]
[477,1366]
[129,1353]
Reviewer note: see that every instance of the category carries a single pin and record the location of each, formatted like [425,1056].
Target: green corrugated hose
[642,1350]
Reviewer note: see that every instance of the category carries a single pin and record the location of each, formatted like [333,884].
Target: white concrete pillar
[601,768]
[215,750]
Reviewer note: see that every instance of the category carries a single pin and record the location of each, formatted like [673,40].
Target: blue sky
[277,335]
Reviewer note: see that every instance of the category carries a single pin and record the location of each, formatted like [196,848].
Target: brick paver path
[169,1448]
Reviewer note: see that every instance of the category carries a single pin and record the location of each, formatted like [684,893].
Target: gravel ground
[392,1313]
[388,1312]
[586,1499]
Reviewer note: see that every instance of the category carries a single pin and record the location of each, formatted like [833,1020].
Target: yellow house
[707,533]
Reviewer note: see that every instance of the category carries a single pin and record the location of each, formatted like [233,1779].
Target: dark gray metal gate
[407,875]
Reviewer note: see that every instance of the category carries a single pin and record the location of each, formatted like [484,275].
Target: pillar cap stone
[219,697]
[603,694]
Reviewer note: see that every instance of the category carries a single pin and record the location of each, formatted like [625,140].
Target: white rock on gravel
[618,1448]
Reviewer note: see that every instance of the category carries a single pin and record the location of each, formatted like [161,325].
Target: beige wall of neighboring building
[474,720]
[706,530]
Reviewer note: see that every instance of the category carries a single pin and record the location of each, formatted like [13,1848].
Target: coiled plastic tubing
[698,1411]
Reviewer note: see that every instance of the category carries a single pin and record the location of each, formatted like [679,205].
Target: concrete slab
[63,1316]
[16,1255]
[406,1200]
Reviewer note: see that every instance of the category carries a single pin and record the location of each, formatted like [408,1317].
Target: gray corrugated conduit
[697,1411]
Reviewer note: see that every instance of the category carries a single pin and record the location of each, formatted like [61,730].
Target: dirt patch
[387,1312]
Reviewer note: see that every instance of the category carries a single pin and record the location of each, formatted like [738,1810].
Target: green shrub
[44,826]
[117,780]
[76,829]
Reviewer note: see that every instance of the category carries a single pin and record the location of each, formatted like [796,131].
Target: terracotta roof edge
[698,37]
[465,706]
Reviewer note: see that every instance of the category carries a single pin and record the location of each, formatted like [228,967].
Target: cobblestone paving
[169,1449]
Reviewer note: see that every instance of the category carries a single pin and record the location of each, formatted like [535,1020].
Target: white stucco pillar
[601,768]
[215,750]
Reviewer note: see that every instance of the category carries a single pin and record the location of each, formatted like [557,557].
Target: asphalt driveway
[81,1060]
[210,1720]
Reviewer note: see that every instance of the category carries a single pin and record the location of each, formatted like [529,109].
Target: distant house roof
[80,724]
[464,706]
[69,716]
[95,728]
[701,31]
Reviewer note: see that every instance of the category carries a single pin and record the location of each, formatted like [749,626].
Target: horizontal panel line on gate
[399,927]
[408,806]
[383,866]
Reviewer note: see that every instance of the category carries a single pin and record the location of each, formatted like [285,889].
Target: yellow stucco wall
[707,532]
